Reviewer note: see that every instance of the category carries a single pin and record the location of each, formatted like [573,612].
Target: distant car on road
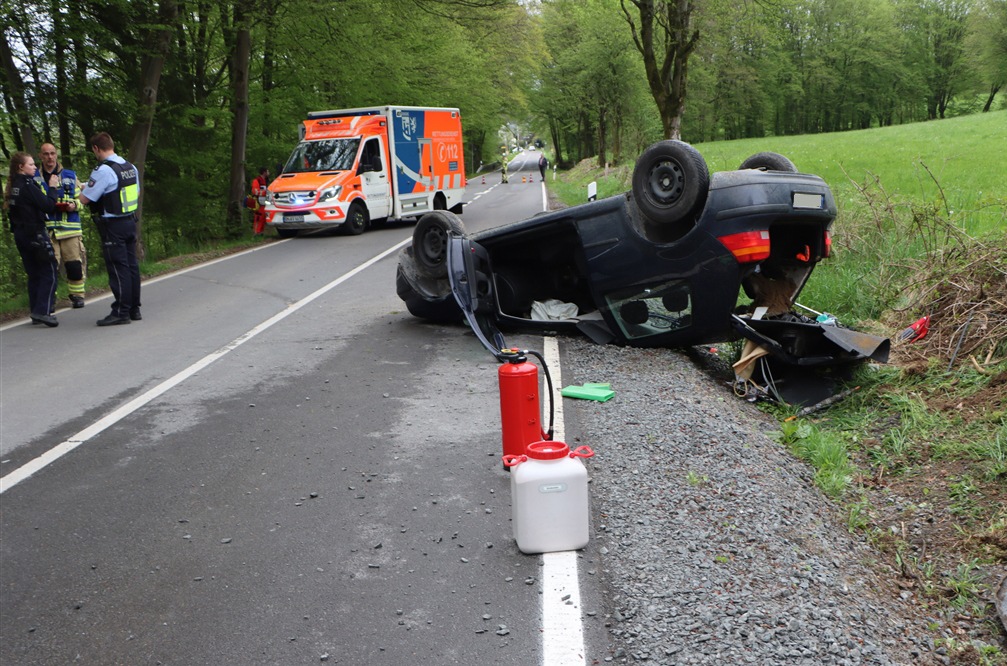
[660,266]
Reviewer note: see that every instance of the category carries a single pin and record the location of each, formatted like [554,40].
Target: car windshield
[324,155]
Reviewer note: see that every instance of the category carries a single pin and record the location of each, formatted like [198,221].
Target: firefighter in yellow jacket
[63,225]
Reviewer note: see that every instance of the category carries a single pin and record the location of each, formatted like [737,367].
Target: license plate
[293,218]
[804,200]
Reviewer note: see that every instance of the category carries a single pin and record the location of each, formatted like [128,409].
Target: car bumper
[297,220]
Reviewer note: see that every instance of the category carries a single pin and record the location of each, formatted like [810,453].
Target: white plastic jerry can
[549,497]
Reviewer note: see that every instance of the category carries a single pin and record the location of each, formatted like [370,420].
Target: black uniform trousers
[119,251]
[39,263]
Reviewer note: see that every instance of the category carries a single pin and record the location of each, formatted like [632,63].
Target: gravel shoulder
[715,546]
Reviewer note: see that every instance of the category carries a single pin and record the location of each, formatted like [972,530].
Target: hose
[548,381]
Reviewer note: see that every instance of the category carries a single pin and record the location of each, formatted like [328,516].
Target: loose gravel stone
[715,545]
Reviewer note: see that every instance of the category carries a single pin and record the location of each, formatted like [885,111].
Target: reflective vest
[126,197]
[60,223]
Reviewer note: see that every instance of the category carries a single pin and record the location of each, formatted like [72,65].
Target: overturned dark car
[662,265]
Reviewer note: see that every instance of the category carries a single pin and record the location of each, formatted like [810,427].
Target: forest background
[198,94]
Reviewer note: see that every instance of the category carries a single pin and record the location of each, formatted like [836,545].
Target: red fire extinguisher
[520,413]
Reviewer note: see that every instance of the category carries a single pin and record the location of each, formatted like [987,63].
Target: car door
[375,182]
[471,278]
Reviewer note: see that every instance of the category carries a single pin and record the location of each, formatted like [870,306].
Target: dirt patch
[991,398]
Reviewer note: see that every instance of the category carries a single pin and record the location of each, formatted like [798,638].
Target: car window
[653,310]
[371,155]
[325,155]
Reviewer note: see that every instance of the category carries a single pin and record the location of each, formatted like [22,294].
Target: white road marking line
[562,634]
[562,629]
[21,473]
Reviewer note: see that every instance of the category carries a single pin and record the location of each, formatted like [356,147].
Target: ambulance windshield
[324,155]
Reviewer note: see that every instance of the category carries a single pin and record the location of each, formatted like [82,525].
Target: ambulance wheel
[356,219]
[430,242]
[769,162]
[286,233]
[670,183]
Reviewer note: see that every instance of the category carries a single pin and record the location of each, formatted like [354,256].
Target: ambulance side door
[375,182]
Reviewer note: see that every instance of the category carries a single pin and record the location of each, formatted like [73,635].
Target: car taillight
[747,246]
[828,245]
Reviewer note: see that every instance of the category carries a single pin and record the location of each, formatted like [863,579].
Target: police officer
[27,205]
[64,225]
[113,194]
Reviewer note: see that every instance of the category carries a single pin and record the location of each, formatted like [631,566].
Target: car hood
[303,182]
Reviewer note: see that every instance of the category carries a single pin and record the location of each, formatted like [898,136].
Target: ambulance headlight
[330,193]
[269,197]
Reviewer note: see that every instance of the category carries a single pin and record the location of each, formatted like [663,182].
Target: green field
[965,157]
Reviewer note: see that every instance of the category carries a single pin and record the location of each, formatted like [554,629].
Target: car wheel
[356,219]
[670,183]
[443,310]
[769,162]
[430,242]
[286,233]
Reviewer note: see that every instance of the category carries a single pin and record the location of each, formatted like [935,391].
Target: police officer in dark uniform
[113,194]
[27,205]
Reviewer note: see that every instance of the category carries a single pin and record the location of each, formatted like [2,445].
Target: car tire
[356,219]
[286,233]
[443,310]
[670,184]
[430,242]
[769,162]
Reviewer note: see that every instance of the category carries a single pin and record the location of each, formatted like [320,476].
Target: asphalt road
[278,465]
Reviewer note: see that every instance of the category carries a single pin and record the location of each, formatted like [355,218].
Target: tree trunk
[666,72]
[24,138]
[240,56]
[617,140]
[84,120]
[554,132]
[152,65]
[269,67]
[602,137]
[994,89]
[59,35]
[475,141]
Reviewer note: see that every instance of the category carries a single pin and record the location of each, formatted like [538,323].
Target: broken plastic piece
[597,392]
[826,318]
[917,331]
